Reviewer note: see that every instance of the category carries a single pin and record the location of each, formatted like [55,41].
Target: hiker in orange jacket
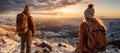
[91,34]
[25,26]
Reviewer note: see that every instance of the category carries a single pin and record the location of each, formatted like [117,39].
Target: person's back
[27,35]
[92,37]
[92,34]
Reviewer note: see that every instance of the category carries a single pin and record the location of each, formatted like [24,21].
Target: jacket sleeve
[31,24]
[81,35]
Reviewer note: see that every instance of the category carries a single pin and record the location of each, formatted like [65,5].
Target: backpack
[96,39]
[21,23]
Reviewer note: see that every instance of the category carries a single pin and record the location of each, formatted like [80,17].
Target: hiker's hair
[95,20]
[90,6]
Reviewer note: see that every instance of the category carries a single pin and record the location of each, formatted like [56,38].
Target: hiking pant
[26,41]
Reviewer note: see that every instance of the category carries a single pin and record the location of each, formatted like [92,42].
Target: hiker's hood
[27,10]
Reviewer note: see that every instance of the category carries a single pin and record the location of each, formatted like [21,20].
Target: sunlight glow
[72,10]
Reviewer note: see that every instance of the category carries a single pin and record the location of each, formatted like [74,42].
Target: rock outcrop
[47,45]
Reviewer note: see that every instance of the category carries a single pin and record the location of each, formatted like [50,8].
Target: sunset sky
[60,8]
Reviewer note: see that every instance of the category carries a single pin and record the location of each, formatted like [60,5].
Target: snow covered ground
[11,46]
[9,42]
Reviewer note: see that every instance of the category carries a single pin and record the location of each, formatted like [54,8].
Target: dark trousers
[26,40]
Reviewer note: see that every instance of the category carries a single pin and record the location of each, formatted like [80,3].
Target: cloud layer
[17,5]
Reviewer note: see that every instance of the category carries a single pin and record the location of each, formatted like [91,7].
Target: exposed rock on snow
[62,45]
[37,51]
[14,47]
[46,45]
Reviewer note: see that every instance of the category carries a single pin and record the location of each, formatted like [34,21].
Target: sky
[60,8]
[107,7]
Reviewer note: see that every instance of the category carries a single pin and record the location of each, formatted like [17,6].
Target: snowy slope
[12,46]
